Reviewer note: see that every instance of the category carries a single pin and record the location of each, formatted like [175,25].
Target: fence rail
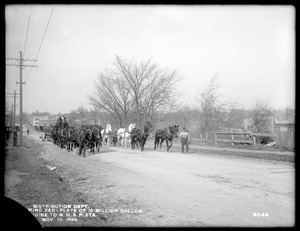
[250,137]
[232,140]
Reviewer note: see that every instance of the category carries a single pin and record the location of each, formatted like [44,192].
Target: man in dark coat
[15,137]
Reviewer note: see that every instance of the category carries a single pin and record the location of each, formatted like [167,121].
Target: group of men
[62,122]
[15,135]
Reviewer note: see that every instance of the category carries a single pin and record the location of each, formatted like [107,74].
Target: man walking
[185,139]
[15,137]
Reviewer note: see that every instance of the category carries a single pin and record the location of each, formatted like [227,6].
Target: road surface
[175,189]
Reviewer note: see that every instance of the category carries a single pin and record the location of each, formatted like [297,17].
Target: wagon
[47,134]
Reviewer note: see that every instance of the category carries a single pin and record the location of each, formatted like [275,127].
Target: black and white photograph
[159,115]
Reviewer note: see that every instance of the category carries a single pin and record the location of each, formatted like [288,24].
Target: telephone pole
[13,110]
[21,66]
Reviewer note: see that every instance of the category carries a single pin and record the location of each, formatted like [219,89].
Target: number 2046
[260,214]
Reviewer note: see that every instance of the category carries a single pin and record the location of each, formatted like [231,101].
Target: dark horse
[167,135]
[72,141]
[96,138]
[83,140]
[64,137]
[140,136]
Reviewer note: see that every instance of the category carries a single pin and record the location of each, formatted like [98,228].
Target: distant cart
[47,133]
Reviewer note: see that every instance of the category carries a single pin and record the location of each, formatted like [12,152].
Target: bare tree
[260,114]
[229,114]
[141,89]
[209,104]
[151,87]
[82,114]
[72,117]
[288,113]
[112,95]
[214,110]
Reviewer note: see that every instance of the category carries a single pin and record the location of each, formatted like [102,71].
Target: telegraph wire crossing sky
[250,48]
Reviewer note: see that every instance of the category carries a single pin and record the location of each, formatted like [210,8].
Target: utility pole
[14,123]
[13,110]
[12,120]
[21,66]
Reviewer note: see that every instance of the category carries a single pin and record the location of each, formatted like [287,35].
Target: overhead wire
[21,28]
[41,42]
[27,32]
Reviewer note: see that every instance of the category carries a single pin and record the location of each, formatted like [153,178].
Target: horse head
[131,126]
[174,130]
[148,128]
[96,131]
[102,131]
[108,129]
[88,133]
[121,131]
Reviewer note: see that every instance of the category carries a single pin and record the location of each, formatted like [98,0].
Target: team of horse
[83,137]
[93,137]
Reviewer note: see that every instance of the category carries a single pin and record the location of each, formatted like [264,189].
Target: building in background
[285,134]
[42,120]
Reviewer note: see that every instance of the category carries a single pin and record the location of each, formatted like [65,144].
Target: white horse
[123,136]
[107,135]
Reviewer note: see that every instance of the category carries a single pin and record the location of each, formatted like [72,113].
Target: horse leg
[92,147]
[167,142]
[119,141]
[76,145]
[143,144]
[128,141]
[132,143]
[84,150]
[160,145]
[122,140]
[170,145]
[97,145]
[80,149]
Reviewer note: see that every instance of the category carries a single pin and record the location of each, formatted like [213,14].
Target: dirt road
[153,188]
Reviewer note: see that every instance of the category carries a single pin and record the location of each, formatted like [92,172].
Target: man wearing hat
[15,135]
[185,139]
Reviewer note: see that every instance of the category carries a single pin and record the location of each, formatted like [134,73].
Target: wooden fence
[233,140]
[251,138]
[201,140]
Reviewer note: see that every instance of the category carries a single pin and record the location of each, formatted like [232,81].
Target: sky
[251,49]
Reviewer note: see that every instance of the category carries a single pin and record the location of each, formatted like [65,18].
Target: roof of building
[40,113]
